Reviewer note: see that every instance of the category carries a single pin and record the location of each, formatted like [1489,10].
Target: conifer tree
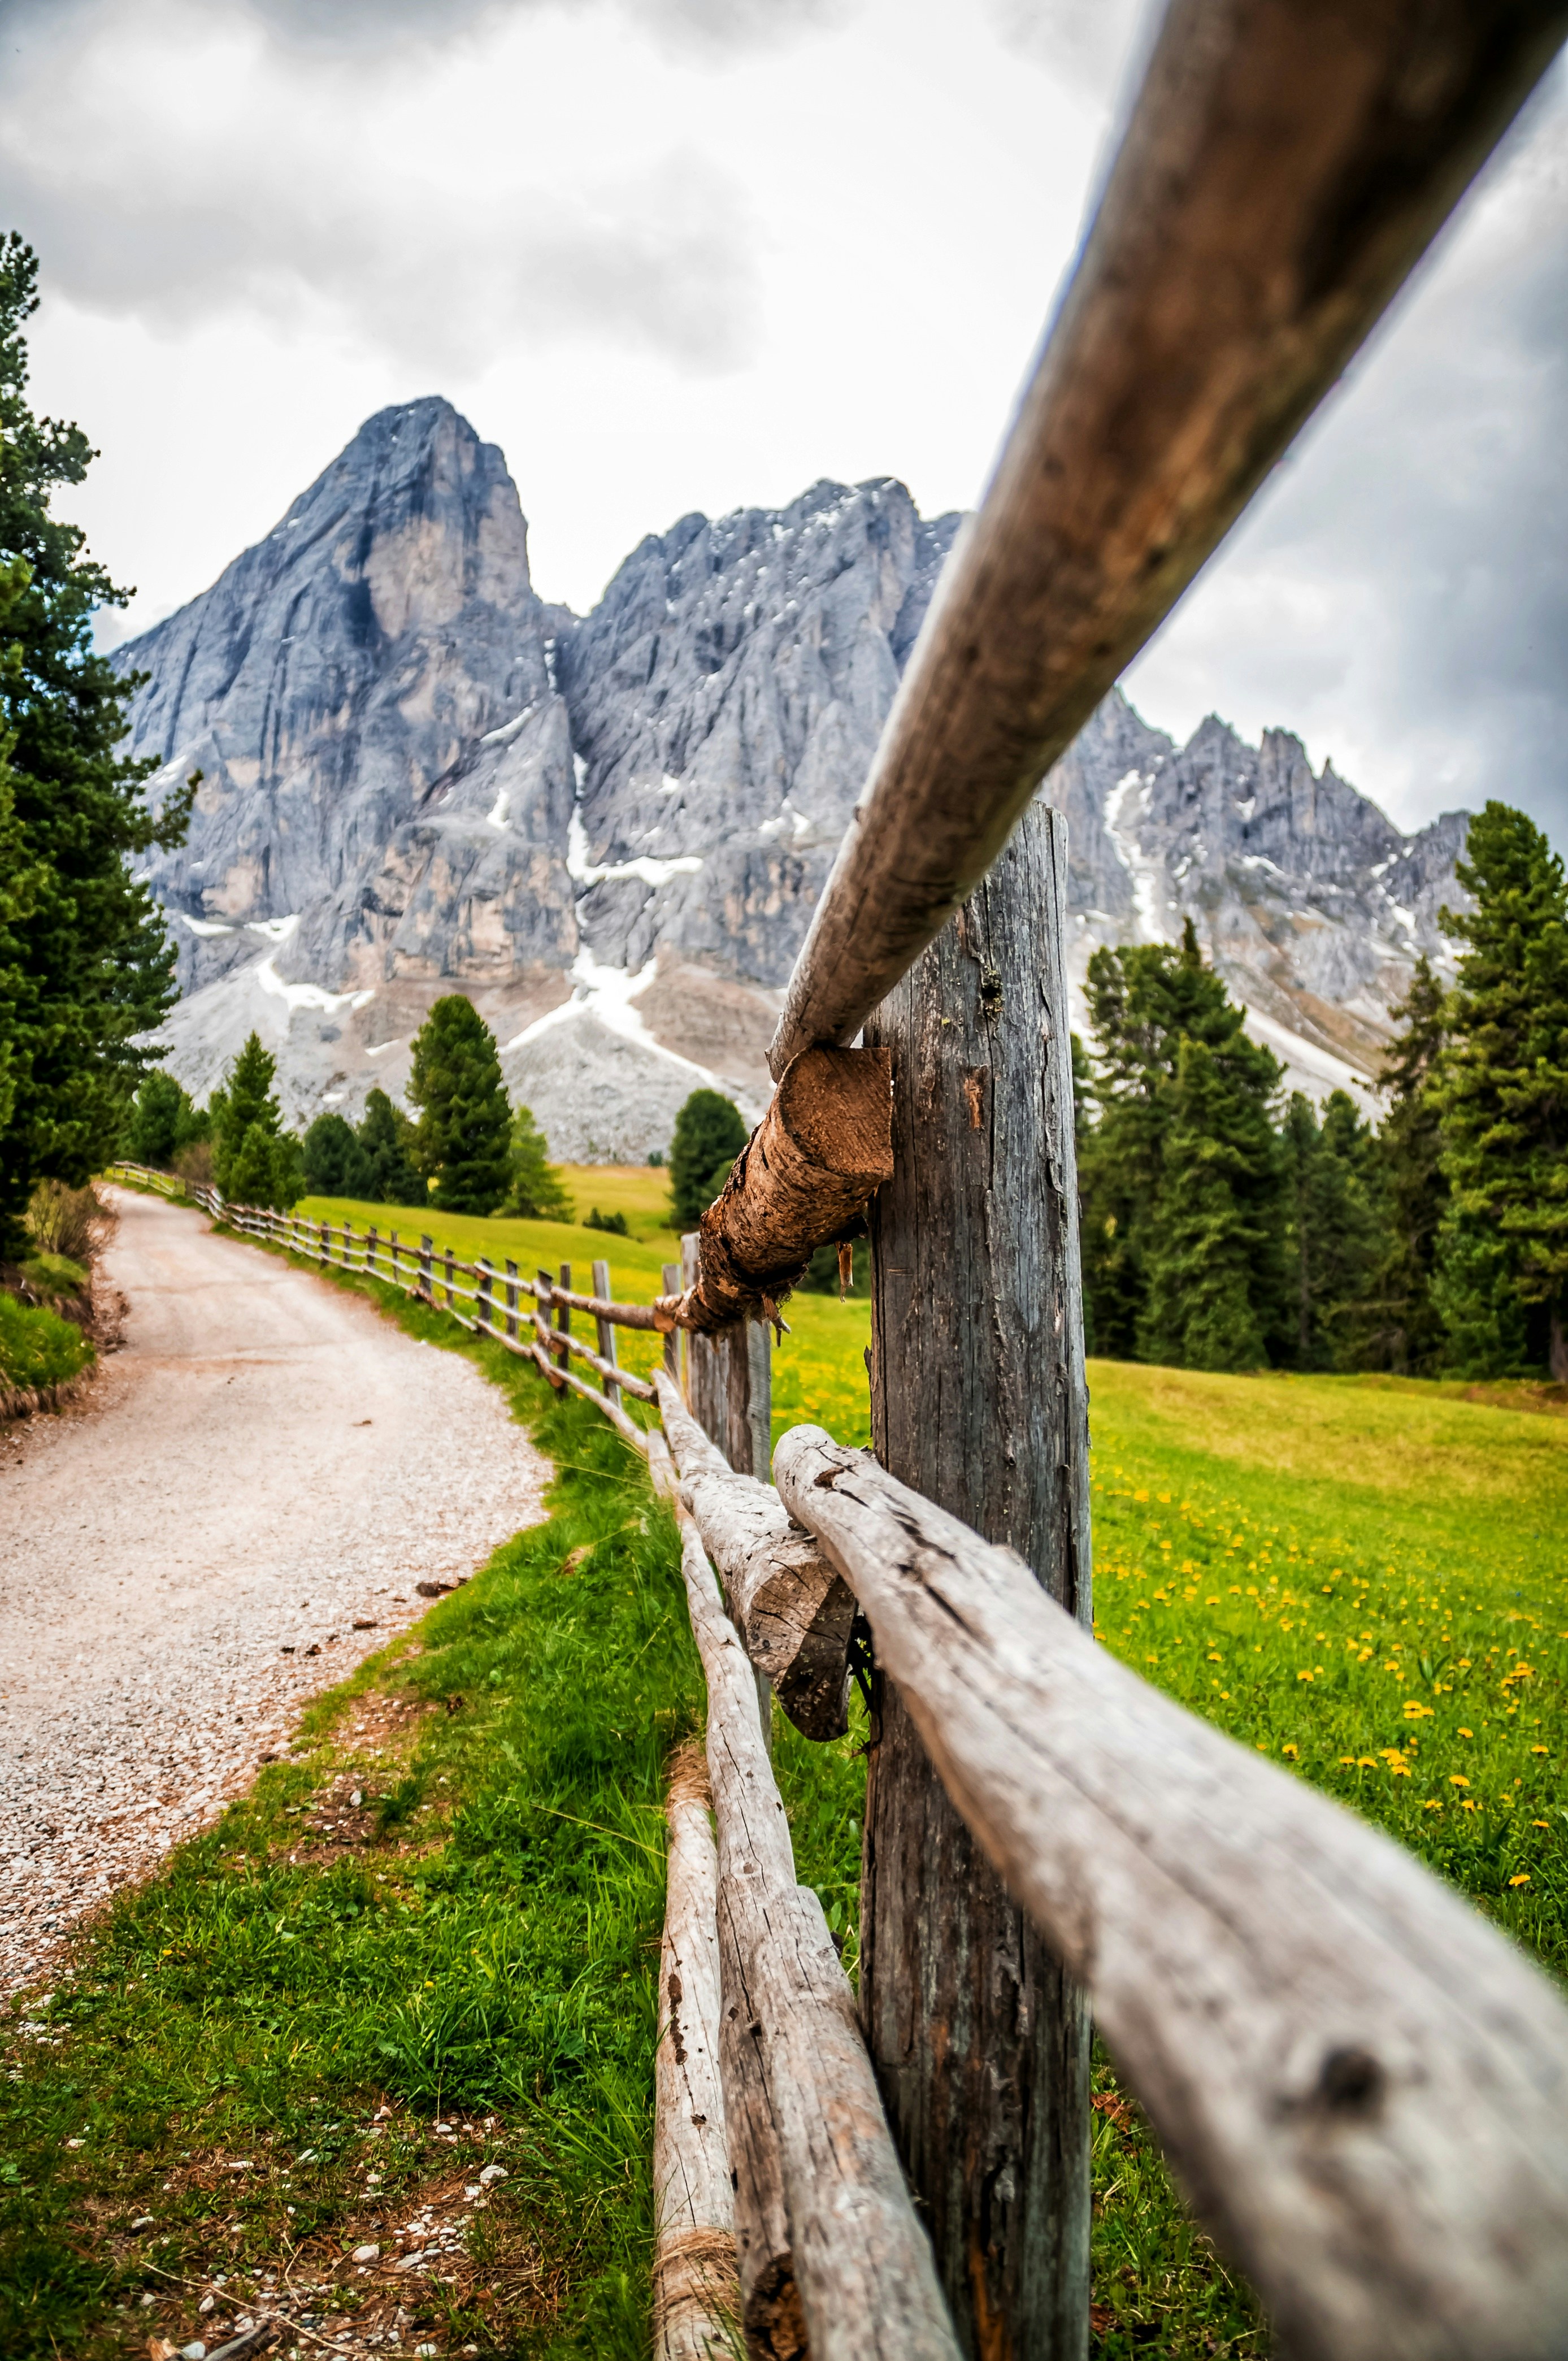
[463,1139]
[385,1139]
[710,1132]
[1213,1260]
[1146,1000]
[1396,1325]
[536,1193]
[335,1165]
[152,1133]
[1502,1285]
[254,1161]
[1334,1229]
[88,966]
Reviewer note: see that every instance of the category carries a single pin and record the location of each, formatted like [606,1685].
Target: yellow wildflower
[1522,1879]
[1291,1751]
[1457,1779]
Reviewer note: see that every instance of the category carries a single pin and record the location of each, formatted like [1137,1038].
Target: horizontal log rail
[807,2119]
[1362,2085]
[1284,169]
[789,1602]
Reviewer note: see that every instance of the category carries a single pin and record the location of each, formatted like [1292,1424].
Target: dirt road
[266,1464]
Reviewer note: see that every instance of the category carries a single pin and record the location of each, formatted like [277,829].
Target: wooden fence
[1362,2085]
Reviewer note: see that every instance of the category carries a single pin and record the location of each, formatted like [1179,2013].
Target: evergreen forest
[1226,1225]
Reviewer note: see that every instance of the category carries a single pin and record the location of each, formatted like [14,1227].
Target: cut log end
[803,1180]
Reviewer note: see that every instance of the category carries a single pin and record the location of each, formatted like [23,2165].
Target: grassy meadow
[1360,1578]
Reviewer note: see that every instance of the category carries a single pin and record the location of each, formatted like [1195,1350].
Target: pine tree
[463,1140]
[246,1101]
[152,1133]
[336,1164]
[1396,1325]
[1502,1285]
[710,1132]
[1146,1000]
[1333,1227]
[385,1139]
[254,1160]
[88,966]
[536,1193]
[1213,1259]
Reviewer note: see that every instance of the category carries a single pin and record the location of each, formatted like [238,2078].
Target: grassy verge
[38,1348]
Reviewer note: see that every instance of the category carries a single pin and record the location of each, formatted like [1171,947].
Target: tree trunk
[979,2040]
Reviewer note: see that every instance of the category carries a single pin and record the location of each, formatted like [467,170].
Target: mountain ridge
[611,829]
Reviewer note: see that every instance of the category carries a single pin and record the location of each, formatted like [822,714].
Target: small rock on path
[265,1463]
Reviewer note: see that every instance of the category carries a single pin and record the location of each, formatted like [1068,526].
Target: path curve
[265,1461]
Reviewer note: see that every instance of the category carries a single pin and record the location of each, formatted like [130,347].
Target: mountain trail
[235,1517]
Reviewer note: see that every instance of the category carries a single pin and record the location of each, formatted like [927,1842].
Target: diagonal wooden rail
[1287,164]
[1362,2085]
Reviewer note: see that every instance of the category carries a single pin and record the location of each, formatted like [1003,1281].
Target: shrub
[36,1347]
[616,1224]
[63,1221]
[194,1164]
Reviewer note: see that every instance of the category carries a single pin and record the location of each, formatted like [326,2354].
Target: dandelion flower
[1303,1676]
[1366,1762]
[1522,1879]
[1540,1823]
[1291,1751]
[1457,1779]
[1539,1749]
[1470,1733]
[1349,1759]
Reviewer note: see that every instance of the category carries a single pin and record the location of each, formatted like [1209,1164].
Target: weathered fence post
[511,1297]
[426,1272]
[485,1310]
[980,2042]
[545,1296]
[606,1329]
[393,1245]
[673,1337]
[370,1242]
[450,1275]
[563,1319]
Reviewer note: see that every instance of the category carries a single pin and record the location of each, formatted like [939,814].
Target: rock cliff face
[610,831]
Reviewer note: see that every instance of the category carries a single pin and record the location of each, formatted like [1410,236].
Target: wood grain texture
[981,2042]
[789,1603]
[862,2265]
[1362,2085]
[802,1180]
[697,2290]
[1285,166]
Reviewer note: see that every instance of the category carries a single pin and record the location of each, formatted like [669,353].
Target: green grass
[56,1274]
[38,1348]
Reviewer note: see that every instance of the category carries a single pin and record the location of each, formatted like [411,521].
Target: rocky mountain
[611,830]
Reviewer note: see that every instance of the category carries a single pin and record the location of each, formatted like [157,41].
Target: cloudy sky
[692,254]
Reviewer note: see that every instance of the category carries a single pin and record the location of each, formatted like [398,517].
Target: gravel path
[264,1465]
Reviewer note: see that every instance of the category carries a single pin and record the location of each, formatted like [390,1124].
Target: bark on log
[980,2042]
[791,1606]
[861,2266]
[803,1178]
[1363,2086]
[696,2290]
[1284,168]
